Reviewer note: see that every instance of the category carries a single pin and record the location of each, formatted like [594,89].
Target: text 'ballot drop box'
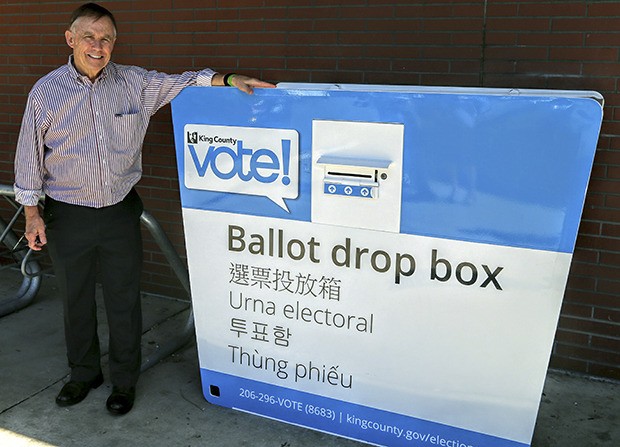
[382,263]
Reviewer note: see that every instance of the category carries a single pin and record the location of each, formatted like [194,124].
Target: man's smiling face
[92,41]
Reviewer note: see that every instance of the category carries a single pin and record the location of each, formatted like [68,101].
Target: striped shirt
[81,142]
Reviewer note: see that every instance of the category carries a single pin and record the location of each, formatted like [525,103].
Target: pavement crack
[32,395]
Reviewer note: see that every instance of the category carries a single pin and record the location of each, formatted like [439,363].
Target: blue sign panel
[385,264]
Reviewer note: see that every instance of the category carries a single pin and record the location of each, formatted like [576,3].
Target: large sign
[387,266]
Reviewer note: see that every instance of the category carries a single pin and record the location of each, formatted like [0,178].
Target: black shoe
[121,400]
[74,391]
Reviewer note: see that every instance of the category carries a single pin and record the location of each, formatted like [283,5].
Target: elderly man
[80,144]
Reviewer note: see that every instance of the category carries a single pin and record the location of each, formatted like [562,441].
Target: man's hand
[244,83]
[35,228]
[247,84]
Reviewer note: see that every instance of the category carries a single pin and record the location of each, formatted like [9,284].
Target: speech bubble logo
[243,160]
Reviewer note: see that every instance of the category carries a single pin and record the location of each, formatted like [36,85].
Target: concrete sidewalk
[171,411]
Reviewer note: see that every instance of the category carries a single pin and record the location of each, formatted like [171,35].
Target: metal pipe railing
[187,332]
[32,278]
[30,284]
[32,281]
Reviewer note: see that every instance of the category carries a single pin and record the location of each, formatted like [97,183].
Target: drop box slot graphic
[353,161]
[383,263]
[353,178]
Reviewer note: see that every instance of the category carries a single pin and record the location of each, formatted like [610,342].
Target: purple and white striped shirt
[81,142]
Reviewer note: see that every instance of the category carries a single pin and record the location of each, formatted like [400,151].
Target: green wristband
[227,79]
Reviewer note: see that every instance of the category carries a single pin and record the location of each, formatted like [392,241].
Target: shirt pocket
[127,132]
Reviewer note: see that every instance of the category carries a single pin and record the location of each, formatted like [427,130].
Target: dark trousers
[80,240]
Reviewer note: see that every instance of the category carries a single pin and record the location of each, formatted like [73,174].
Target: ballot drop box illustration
[385,264]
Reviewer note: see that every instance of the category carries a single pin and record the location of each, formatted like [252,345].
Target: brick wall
[494,43]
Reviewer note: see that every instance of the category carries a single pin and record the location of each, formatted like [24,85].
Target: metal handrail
[30,284]
[187,332]
[32,279]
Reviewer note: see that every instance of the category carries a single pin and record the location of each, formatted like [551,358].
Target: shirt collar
[80,77]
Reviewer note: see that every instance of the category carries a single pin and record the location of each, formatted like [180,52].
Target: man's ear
[69,38]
